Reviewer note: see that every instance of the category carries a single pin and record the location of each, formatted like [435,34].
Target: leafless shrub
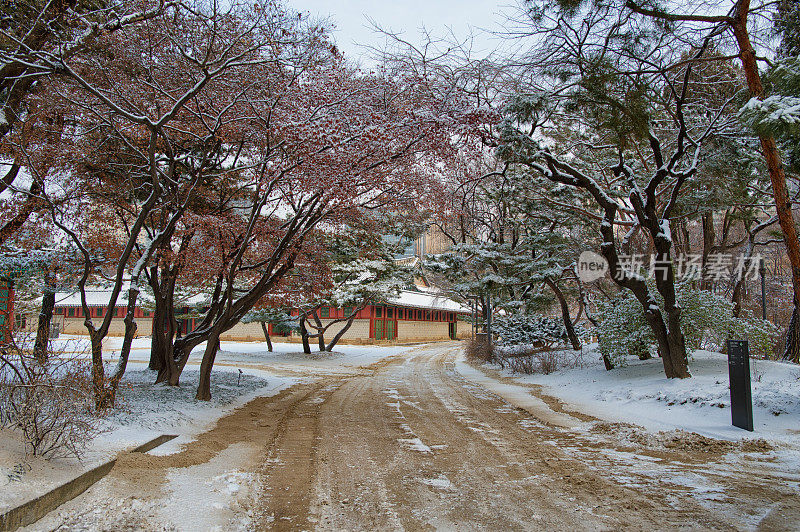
[480,349]
[49,402]
[548,362]
[523,364]
[536,360]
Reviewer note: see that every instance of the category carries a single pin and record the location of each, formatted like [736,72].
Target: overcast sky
[406,16]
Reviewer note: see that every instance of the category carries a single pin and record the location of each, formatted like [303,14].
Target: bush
[548,362]
[532,360]
[480,349]
[50,403]
[519,364]
[534,330]
[707,322]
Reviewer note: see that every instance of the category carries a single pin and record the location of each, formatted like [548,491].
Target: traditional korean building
[413,316]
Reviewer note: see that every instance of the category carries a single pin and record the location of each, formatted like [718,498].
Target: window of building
[325,312]
[390,312]
[378,312]
[348,311]
[427,315]
[71,312]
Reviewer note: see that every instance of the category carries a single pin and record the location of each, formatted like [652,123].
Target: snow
[415,444]
[441,483]
[96,296]
[519,396]
[775,111]
[149,410]
[427,300]
[665,232]
[412,441]
[253,357]
[640,394]
[212,483]
[146,412]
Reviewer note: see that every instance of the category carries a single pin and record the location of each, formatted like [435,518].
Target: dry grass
[480,350]
[536,360]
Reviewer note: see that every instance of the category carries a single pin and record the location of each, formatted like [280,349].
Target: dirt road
[409,443]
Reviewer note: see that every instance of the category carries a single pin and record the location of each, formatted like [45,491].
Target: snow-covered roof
[428,299]
[99,297]
[94,298]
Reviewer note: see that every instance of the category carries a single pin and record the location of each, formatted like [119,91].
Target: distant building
[432,242]
[413,316]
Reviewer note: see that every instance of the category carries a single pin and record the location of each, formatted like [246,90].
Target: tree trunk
[304,336]
[338,335]
[673,346]
[157,347]
[110,393]
[171,373]
[585,300]
[164,327]
[40,347]
[265,328]
[157,339]
[769,148]
[709,237]
[573,337]
[320,331]
[792,349]
[738,296]
[668,335]
[204,386]
[179,353]
[98,372]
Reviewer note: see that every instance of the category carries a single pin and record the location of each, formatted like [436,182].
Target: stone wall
[463,329]
[144,326]
[422,330]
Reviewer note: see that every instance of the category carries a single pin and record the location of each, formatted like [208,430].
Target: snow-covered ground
[640,394]
[252,356]
[149,410]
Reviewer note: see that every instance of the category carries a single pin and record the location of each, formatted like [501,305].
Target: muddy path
[409,443]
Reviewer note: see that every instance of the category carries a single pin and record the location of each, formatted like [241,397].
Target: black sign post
[739,374]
